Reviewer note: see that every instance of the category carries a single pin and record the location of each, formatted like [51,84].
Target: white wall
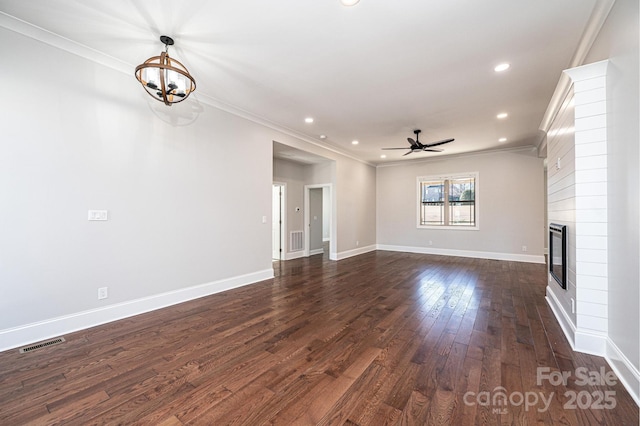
[618,41]
[356,207]
[561,201]
[511,203]
[186,206]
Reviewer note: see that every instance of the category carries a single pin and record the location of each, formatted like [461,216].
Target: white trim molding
[598,344]
[567,325]
[591,31]
[52,39]
[514,257]
[35,332]
[355,252]
[294,255]
[624,369]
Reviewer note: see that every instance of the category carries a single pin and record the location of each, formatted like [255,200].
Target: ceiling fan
[416,146]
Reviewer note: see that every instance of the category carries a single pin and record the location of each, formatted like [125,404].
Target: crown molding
[525,148]
[597,19]
[27,29]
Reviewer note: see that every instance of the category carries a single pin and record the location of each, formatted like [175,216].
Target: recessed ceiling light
[349,2]
[502,140]
[501,67]
[354,142]
[308,120]
[502,115]
[323,136]
[383,156]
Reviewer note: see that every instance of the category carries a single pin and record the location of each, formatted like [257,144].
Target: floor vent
[296,241]
[41,345]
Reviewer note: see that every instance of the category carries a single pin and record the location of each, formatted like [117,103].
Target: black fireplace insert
[558,253]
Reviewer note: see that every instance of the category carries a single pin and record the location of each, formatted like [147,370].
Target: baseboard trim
[568,327]
[355,252]
[294,255]
[528,258]
[24,335]
[598,344]
[624,369]
[316,251]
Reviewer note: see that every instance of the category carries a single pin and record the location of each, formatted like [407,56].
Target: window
[448,201]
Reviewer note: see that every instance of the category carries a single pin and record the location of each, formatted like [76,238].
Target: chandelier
[164,78]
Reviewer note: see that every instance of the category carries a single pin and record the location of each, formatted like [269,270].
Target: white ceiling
[371,72]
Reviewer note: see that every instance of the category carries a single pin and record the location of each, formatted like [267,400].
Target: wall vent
[41,345]
[296,241]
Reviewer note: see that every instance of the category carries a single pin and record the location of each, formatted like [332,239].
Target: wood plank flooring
[381,338]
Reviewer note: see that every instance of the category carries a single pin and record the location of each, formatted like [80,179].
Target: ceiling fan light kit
[165,79]
[417,146]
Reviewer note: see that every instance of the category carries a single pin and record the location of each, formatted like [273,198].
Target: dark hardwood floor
[381,338]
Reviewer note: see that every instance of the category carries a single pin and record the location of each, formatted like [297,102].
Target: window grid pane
[462,202]
[448,202]
[432,203]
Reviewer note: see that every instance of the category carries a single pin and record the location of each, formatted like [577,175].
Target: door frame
[333,243]
[283,219]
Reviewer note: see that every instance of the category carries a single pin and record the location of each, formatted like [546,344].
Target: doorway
[278,221]
[320,232]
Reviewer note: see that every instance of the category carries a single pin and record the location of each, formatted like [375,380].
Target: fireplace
[558,253]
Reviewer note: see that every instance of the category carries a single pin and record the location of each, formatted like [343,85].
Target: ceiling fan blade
[412,142]
[396,148]
[432,150]
[407,153]
[442,142]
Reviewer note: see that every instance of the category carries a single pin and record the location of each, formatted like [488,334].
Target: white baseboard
[354,252]
[294,255]
[590,342]
[35,332]
[515,257]
[316,251]
[598,344]
[624,369]
[567,325]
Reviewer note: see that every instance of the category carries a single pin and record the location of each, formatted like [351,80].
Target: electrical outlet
[103,292]
[430,242]
[357,243]
[524,248]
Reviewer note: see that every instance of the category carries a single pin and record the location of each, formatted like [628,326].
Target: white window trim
[475,175]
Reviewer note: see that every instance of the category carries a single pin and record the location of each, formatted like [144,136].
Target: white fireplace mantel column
[590,106]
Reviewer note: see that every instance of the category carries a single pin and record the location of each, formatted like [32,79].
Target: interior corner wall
[356,208]
[618,42]
[510,207]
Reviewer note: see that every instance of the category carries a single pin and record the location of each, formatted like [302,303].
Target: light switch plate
[98,215]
